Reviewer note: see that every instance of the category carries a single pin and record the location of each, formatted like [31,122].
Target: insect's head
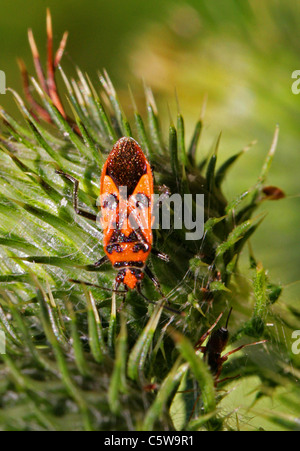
[219,338]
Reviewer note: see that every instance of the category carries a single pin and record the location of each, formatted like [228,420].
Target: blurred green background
[240,53]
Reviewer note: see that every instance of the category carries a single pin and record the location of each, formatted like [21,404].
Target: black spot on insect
[140,247]
[137,273]
[119,237]
[132,237]
[129,264]
[114,248]
[120,276]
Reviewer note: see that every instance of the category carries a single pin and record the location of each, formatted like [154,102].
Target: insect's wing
[140,206]
[109,201]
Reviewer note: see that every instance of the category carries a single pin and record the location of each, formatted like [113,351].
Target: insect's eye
[141,201]
[110,201]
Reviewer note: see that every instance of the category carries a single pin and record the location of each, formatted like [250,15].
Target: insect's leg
[138,289]
[88,284]
[198,345]
[225,356]
[220,362]
[219,381]
[163,190]
[160,255]
[170,309]
[123,296]
[154,251]
[194,407]
[154,280]
[78,211]
[157,286]
[101,262]
[96,265]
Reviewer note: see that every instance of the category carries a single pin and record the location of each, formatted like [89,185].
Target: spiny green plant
[73,361]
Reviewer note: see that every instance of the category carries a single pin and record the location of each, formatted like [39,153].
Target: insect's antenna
[228,317]
[88,284]
[170,309]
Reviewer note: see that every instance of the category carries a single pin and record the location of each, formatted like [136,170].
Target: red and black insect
[126,247]
[126,189]
[216,344]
